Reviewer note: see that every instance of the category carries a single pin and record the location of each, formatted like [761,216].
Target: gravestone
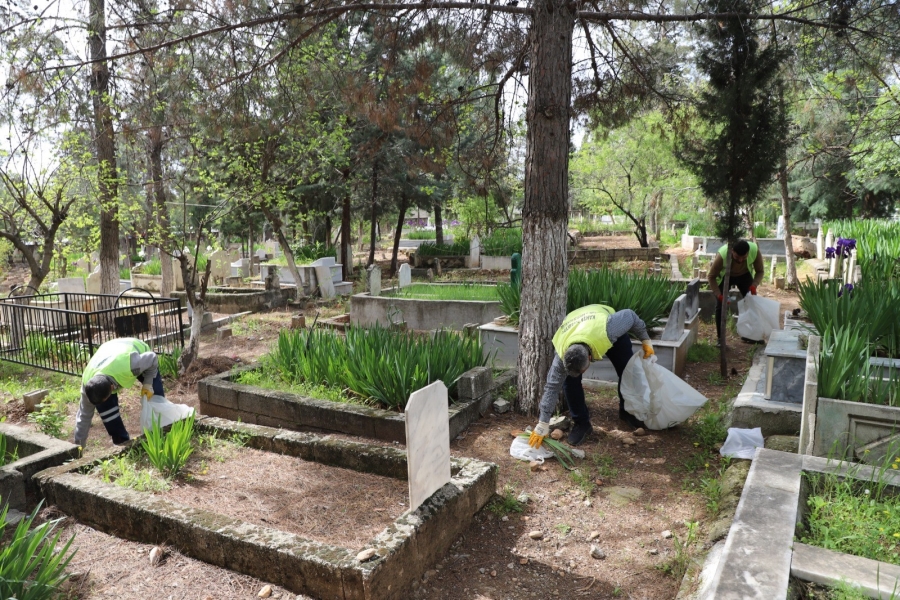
[820,245]
[474,253]
[829,239]
[427,442]
[695,262]
[373,280]
[779,228]
[404,277]
[260,254]
[93,281]
[272,247]
[71,285]
[692,298]
[323,277]
[675,323]
[772,269]
[220,266]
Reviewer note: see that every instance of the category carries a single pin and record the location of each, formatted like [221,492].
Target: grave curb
[40,452]
[403,551]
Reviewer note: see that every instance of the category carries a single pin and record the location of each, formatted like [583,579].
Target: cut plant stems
[562,454]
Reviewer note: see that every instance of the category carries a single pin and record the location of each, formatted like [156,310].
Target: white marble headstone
[474,252]
[374,280]
[820,245]
[779,229]
[404,276]
[427,442]
[94,285]
[74,285]
[323,278]
[675,323]
[325,261]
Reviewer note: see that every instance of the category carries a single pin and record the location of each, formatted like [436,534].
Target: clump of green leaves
[30,566]
[506,502]
[502,242]
[702,351]
[169,452]
[684,548]
[7,455]
[168,363]
[459,247]
[50,418]
[125,471]
[510,300]
[460,291]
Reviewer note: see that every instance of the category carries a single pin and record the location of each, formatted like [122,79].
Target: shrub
[502,242]
[459,247]
[30,566]
[169,452]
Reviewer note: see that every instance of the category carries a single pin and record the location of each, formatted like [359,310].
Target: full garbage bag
[742,443]
[158,408]
[757,317]
[657,396]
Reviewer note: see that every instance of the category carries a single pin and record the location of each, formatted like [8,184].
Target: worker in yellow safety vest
[116,365]
[587,334]
[746,274]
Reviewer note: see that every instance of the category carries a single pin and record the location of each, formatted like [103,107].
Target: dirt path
[622,500]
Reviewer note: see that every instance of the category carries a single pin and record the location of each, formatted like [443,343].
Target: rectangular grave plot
[403,550]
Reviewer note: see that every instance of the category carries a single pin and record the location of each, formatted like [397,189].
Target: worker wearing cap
[587,334]
[746,274]
[116,365]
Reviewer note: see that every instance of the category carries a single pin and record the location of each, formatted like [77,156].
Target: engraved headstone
[675,323]
[373,280]
[93,281]
[427,442]
[404,277]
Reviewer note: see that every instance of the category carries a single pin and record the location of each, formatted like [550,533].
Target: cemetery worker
[587,334]
[746,273]
[116,365]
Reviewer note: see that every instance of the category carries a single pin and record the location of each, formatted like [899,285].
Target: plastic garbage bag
[157,407]
[742,443]
[757,317]
[521,450]
[657,396]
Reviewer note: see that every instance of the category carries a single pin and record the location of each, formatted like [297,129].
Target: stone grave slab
[427,442]
[71,285]
[675,323]
[373,280]
[692,298]
[404,276]
[323,277]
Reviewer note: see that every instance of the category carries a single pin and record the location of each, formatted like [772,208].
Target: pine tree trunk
[106,149]
[404,202]
[374,225]
[163,234]
[790,277]
[346,241]
[545,211]
[438,225]
[723,330]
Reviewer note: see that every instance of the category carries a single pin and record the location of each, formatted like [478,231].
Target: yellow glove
[146,392]
[537,436]
[648,348]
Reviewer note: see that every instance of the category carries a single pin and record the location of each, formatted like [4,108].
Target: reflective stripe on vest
[751,256]
[586,325]
[114,359]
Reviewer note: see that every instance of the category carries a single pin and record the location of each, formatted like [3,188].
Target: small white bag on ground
[742,443]
[757,317]
[161,409]
[521,450]
[657,396]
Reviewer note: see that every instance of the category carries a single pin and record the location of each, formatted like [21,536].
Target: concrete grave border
[37,452]
[760,554]
[366,310]
[403,551]
[219,396]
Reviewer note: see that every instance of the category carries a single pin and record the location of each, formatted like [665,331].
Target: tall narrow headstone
[474,253]
[675,323]
[93,281]
[323,278]
[772,269]
[427,442]
[692,298]
[373,280]
[404,276]
[779,228]
[820,245]
[829,239]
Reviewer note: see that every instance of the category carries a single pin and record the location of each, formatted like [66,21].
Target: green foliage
[604,465]
[421,234]
[761,231]
[583,481]
[708,426]
[7,455]
[312,252]
[124,471]
[31,568]
[684,549]
[379,363]
[43,348]
[169,452]
[168,363]
[50,418]
[502,242]
[125,273]
[650,296]
[845,370]
[702,351]
[590,225]
[270,377]
[877,245]
[506,502]
[510,301]
[478,214]
[151,267]
[459,247]
[463,291]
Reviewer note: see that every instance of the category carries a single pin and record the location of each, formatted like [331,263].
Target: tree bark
[374,224]
[790,276]
[545,211]
[404,202]
[164,237]
[723,330]
[346,239]
[106,149]
[438,225]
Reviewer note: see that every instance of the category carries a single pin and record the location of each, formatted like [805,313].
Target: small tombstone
[323,278]
[272,282]
[427,442]
[702,274]
[32,399]
[695,262]
[429,275]
[501,406]
[470,330]
[404,277]
[373,279]
[779,283]
[829,239]
[219,266]
[474,253]
[71,285]
[772,269]
[779,228]
[94,285]
[675,323]
[692,298]
[437,267]
[260,254]
[696,273]
[820,245]
[223,333]
[84,265]
[298,322]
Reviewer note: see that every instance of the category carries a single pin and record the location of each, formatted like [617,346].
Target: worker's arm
[146,365]
[623,321]
[758,269]
[715,268]
[555,379]
[83,420]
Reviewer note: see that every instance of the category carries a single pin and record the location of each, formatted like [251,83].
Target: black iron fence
[61,331]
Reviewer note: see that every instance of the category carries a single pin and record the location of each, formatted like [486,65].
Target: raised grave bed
[220,396]
[761,554]
[420,314]
[35,452]
[230,300]
[785,366]
[403,551]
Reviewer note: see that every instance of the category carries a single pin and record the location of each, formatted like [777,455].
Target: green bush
[421,234]
[379,363]
[459,247]
[30,566]
[168,363]
[50,418]
[169,452]
[312,252]
[502,242]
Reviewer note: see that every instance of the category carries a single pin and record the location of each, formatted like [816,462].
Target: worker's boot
[580,431]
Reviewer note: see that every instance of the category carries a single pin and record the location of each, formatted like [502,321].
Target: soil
[622,500]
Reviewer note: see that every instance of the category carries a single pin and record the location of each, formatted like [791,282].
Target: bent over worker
[746,274]
[116,365]
[587,334]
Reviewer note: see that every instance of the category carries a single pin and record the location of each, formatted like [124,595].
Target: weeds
[124,471]
[604,465]
[563,528]
[7,455]
[703,351]
[506,502]
[583,481]
[683,552]
[50,418]
[168,363]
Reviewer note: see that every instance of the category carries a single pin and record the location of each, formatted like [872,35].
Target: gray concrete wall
[253,300]
[368,310]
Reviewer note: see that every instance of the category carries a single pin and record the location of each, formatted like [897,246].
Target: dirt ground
[621,500]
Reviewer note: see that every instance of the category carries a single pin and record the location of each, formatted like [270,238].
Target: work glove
[753,290]
[648,348]
[146,391]
[537,436]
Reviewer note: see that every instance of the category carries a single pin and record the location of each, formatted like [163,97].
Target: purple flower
[848,287]
[845,246]
[829,252]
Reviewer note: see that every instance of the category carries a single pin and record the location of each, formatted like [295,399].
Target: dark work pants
[743,283]
[112,418]
[618,355]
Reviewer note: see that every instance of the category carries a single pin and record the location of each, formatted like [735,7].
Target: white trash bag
[742,443]
[657,396]
[757,317]
[158,408]
[521,450]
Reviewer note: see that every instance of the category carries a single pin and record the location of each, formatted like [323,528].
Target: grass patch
[463,291]
[506,502]
[270,378]
[421,234]
[703,351]
[684,550]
